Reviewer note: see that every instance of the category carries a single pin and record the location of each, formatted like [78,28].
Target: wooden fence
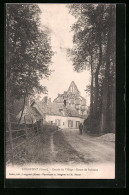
[18,135]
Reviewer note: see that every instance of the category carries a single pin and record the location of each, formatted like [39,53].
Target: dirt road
[67,146]
[90,148]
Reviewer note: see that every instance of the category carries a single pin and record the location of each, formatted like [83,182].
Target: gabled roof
[53,108]
[33,111]
[31,114]
[59,99]
[75,87]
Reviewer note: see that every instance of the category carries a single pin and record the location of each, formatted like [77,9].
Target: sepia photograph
[60,91]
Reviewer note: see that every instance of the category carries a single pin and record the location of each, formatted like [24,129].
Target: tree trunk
[108,107]
[96,80]
[105,116]
[113,100]
[23,107]
[103,126]
[113,97]
[113,108]
[91,96]
[91,92]
[112,118]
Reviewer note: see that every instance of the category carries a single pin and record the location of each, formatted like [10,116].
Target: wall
[27,116]
[64,120]
[39,109]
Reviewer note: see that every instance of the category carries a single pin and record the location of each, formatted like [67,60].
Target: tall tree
[28,51]
[108,98]
[93,40]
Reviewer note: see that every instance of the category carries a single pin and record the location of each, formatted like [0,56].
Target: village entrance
[65,146]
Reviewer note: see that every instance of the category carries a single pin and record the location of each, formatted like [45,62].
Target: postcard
[60,91]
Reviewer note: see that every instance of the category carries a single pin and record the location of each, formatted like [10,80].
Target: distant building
[72,98]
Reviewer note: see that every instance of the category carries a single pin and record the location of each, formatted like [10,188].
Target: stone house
[59,114]
[68,110]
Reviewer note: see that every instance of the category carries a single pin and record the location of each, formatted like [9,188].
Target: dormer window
[62,111]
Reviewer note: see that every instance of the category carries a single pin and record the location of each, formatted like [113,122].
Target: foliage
[94,48]
[28,50]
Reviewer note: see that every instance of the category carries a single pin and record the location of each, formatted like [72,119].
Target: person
[80,128]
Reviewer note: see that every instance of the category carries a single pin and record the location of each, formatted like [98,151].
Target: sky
[57,18]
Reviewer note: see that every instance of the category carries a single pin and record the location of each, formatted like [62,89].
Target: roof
[53,108]
[75,87]
[30,114]
[34,112]
[71,93]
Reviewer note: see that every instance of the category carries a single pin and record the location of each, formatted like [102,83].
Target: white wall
[63,120]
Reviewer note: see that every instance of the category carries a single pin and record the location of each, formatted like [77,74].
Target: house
[30,115]
[59,114]
[53,113]
[68,110]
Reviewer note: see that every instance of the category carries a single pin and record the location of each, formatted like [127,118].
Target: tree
[108,101]
[28,51]
[94,47]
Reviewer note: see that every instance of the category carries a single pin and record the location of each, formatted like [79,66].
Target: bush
[49,128]
[91,125]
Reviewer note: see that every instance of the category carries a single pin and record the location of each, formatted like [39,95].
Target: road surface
[91,148]
[67,146]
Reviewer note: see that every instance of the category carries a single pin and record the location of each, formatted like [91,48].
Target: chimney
[45,99]
[65,103]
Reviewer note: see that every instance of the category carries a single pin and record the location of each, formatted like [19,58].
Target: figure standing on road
[80,128]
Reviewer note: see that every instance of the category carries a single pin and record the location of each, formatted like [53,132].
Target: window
[57,121]
[77,124]
[62,111]
[70,123]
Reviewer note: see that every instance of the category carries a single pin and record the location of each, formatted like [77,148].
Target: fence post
[42,124]
[32,124]
[26,128]
[37,126]
[10,136]
[18,129]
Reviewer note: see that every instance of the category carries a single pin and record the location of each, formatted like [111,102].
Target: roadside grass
[26,152]
[33,150]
